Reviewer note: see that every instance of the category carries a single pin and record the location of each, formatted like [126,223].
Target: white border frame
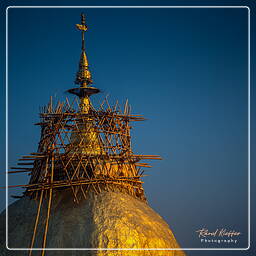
[249,135]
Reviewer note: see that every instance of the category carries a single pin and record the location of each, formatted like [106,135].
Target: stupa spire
[83,76]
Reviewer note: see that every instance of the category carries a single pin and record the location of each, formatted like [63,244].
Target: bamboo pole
[10,172]
[78,183]
[36,222]
[49,206]
[38,212]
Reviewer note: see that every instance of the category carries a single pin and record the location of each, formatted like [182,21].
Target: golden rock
[110,220]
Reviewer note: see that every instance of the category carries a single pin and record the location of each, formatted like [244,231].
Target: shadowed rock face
[105,220]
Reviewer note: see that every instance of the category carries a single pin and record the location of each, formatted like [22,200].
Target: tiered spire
[83,76]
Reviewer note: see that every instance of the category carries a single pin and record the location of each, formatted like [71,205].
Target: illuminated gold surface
[106,220]
[81,27]
[83,76]
[87,139]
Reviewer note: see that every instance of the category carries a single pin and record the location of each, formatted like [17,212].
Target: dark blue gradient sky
[185,69]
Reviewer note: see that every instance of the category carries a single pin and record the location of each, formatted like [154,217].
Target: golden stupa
[85,192]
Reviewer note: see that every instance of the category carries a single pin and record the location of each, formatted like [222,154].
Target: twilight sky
[185,70]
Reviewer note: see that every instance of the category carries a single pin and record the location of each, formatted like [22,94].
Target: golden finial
[83,76]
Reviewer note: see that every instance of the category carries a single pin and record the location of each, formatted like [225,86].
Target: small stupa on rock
[85,193]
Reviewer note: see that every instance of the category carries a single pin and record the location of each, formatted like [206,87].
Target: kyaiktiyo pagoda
[85,192]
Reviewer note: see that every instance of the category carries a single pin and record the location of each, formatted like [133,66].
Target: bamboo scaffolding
[82,152]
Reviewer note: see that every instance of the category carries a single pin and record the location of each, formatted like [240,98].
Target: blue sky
[185,70]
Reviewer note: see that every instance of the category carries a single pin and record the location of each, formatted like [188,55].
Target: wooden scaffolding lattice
[83,152]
